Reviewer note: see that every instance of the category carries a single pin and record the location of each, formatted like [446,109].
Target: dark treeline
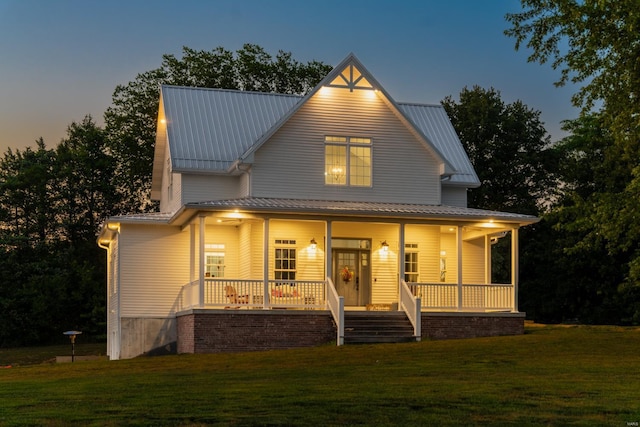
[581,262]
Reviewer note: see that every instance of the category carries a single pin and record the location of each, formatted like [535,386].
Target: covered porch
[247,260]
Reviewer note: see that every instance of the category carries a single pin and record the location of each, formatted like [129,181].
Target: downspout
[113,232]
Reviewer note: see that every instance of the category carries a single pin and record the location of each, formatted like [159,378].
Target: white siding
[309,264]
[448,244]
[245,243]
[473,256]
[257,249]
[154,265]
[228,235]
[427,237]
[291,163]
[170,188]
[201,188]
[454,196]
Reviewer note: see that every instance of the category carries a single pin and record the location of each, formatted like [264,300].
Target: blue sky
[61,60]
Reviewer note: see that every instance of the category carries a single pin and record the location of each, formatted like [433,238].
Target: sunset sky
[61,60]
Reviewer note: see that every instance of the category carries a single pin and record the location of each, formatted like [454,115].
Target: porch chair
[233,296]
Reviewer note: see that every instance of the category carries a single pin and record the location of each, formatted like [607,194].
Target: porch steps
[368,327]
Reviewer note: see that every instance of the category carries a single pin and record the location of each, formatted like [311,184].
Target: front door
[351,276]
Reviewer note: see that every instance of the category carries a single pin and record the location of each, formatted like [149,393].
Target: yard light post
[72,336]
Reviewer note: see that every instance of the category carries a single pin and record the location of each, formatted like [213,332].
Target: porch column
[201,267]
[327,249]
[515,266]
[487,259]
[265,261]
[459,249]
[401,250]
[192,252]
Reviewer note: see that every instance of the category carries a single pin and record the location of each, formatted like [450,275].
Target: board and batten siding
[291,163]
[154,265]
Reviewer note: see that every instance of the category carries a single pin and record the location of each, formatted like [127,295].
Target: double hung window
[285,260]
[214,260]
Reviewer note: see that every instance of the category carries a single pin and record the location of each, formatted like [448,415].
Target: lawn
[550,376]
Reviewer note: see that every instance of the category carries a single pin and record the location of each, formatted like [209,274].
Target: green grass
[549,376]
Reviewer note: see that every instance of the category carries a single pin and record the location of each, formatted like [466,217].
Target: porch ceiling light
[385,246]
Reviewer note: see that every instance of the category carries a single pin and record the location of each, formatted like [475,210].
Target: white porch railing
[475,297]
[238,293]
[410,304]
[336,306]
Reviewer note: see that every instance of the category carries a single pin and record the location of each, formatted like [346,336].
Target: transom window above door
[347,161]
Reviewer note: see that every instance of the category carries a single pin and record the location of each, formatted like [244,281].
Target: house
[285,220]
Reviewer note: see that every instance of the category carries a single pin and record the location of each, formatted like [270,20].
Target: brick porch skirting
[222,331]
[471,325]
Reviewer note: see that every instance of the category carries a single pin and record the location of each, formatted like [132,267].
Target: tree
[85,175]
[131,120]
[596,44]
[508,147]
[52,273]
[27,187]
[566,274]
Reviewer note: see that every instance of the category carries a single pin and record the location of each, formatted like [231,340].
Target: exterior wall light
[385,246]
[314,244]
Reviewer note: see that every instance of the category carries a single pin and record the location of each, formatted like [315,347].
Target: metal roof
[149,217]
[434,122]
[351,208]
[209,129]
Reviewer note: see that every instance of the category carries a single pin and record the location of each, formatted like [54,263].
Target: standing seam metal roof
[378,209]
[209,129]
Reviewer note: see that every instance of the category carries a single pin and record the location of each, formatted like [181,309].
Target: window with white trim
[347,161]
[285,260]
[411,262]
[214,260]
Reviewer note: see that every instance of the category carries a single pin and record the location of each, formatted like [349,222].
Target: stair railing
[335,303]
[410,304]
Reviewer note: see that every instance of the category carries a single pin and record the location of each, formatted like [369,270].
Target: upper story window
[347,161]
